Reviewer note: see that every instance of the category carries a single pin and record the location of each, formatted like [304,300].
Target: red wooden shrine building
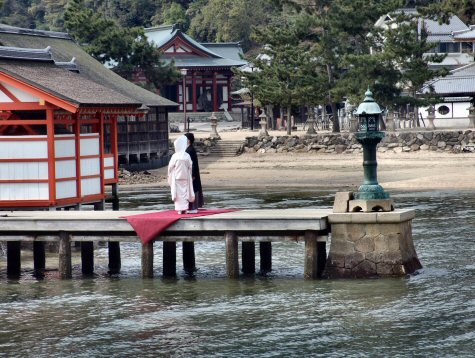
[142,139]
[206,69]
[58,132]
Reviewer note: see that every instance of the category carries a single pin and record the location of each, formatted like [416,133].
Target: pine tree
[339,30]
[125,48]
[284,71]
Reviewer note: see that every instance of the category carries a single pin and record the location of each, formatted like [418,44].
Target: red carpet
[150,225]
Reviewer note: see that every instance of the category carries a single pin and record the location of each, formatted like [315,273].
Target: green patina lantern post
[369,136]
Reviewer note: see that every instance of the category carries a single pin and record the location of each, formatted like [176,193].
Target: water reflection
[281,315]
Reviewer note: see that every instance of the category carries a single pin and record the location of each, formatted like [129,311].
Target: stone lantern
[370,195]
[263,123]
[390,124]
[214,123]
[431,117]
[311,121]
[471,116]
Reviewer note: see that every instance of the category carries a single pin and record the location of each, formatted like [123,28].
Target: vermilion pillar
[51,156]
[215,93]
[193,84]
[230,100]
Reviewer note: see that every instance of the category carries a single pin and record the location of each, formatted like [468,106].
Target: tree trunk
[335,121]
[289,122]
[281,117]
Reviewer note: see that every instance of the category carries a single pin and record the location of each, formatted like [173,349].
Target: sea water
[431,314]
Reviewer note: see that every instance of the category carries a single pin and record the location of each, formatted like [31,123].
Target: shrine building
[67,123]
[142,134]
[206,69]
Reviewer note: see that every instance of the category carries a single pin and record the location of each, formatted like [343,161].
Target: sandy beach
[403,171]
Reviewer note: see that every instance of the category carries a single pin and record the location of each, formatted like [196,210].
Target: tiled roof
[189,61]
[70,86]
[467,34]
[231,50]
[439,38]
[459,82]
[64,49]
[457,99]
[433,27]
[161,35]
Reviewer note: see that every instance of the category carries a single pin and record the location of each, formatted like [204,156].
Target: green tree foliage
[339,30]
[398,66]
[407,47]
[173,13]
[54,13]
[127,13]
[125,48]
[443,10]
[228,20]
[15,13]
[284,73]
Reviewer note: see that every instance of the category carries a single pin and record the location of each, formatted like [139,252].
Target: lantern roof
[368,106]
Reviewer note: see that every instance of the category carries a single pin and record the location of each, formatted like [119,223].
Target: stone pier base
[377,244]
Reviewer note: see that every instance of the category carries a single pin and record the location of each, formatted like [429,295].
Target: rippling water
[428,315]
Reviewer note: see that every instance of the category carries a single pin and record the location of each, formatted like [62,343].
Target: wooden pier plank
[274,221]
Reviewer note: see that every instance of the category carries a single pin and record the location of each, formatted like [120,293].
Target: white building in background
[457,41]
[457,89]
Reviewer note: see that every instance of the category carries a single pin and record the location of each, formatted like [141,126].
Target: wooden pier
[246,226]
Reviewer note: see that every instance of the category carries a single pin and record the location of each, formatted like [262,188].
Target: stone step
[226,148]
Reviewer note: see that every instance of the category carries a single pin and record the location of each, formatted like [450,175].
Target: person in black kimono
[195,174]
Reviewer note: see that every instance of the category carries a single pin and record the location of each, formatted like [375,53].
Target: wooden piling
[321,255]
[115,197]
[248,252]
[13,258]
[169,259]
[311,262]
[115,262]
[147,260]
[65,267]
[99,206]
[189,264]
[265,253]
[87,257]
[232,255]
[39,258]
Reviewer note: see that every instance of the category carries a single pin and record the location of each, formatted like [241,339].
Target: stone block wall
[397,142]
[370,248]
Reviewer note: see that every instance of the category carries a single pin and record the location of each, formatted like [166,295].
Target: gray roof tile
[459,81]
[70,86]
[231,50]
[189,61]
[64,49]
[161,35]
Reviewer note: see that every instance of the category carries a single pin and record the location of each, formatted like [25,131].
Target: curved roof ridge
[25,53]
[34,32]
[221,43]
[197,44]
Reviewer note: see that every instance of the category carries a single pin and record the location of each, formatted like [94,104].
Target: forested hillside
[205,20]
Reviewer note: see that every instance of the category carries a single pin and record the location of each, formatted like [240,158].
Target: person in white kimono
[179,176]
